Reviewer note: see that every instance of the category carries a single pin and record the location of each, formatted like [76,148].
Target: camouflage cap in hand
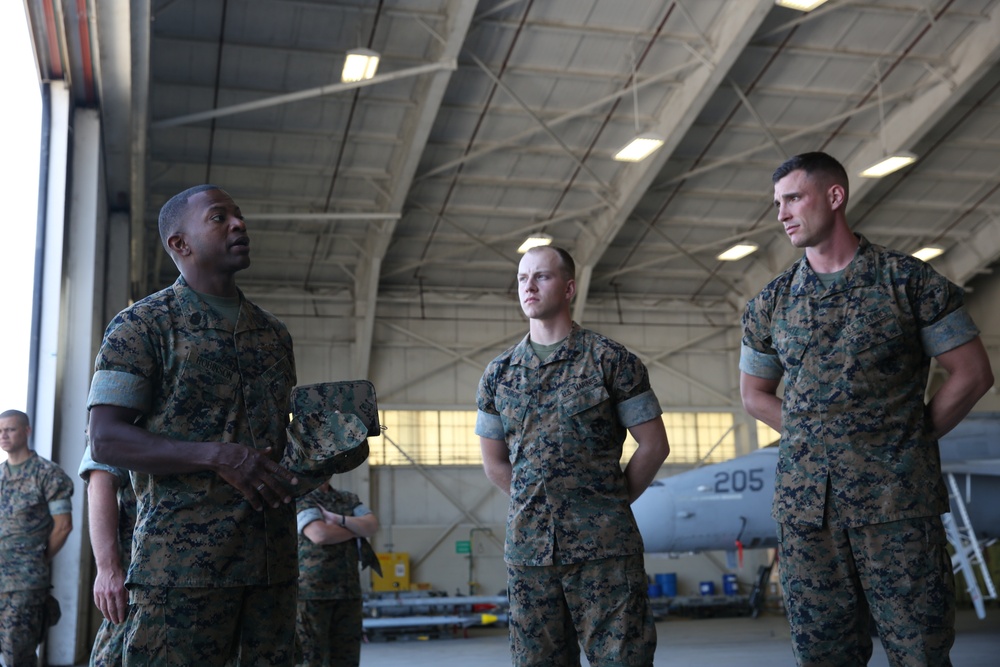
[326,435]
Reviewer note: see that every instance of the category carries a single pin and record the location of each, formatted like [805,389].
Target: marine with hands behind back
[851,329]
[35,521]
[553,414]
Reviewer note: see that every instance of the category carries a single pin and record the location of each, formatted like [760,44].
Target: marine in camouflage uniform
[109,643]
[329,615]
[33,490]
[859,491]
[197,396]
[573,550]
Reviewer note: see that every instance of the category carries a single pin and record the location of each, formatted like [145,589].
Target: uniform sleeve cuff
[489,426]
[639,409]
[121,389]
[759,364]
[954,329]
[307,516]
[60,506]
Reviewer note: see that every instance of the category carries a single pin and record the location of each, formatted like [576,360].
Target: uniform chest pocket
[584,400]
[878,350]
[275,381]
[20,496]
[512,406]
[587,416]
[791,348]
[277,372]
[865,337]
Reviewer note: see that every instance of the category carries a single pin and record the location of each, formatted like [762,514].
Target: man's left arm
[361,525]
[58,490]
[648,457]
[62,525]
[326,532]
[969,377]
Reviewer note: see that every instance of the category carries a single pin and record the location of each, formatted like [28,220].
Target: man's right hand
[255,475]
[110,595]
[116,440]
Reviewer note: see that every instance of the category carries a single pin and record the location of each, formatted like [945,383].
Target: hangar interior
[385,214]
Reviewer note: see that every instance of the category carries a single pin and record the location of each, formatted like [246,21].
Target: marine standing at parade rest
[111,520]
[553,415]
[332,526]
[191,394]
[35,521]
[851,329]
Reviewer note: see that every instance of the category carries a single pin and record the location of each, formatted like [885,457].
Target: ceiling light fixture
[534,241]
[643,144]
[639,148]
[889,164]
[801,5]
[360,64]
[738,251]
[928,253]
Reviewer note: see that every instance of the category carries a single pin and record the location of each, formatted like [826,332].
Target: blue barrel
[707,588]
[729,584]
[668,583]
[655,591]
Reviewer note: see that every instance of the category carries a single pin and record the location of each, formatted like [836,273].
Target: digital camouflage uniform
[30,495]
[573,550]
[859,491]
[210,576]
[109,643]
[329,616]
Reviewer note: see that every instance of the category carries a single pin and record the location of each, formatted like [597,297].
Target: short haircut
[814,163]
[565,259]
[173,212]
[21,417]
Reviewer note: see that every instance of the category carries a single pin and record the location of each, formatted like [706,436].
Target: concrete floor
[760,642]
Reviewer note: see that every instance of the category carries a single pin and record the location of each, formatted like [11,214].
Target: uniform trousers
[897,573]
[109,645]
[232,626]
[21,626]
[602,604]
[328,633]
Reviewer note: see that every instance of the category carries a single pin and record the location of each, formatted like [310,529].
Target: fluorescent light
[639,148]
[888,165]
[738,251]
[534,242]
[928,253]
[801,5]
[359,65]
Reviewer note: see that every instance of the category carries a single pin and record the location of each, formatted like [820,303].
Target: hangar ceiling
[491,120]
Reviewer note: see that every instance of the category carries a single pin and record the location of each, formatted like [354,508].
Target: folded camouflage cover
[368,556]
[354,396]
[331,422]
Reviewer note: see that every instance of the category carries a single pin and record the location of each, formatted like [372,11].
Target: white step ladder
[968,550]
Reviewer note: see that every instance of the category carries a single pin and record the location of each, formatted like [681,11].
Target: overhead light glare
[888,165]
[534,242]
[738,251]
[801,5]
[359,65]
[639,148]
[928,253]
